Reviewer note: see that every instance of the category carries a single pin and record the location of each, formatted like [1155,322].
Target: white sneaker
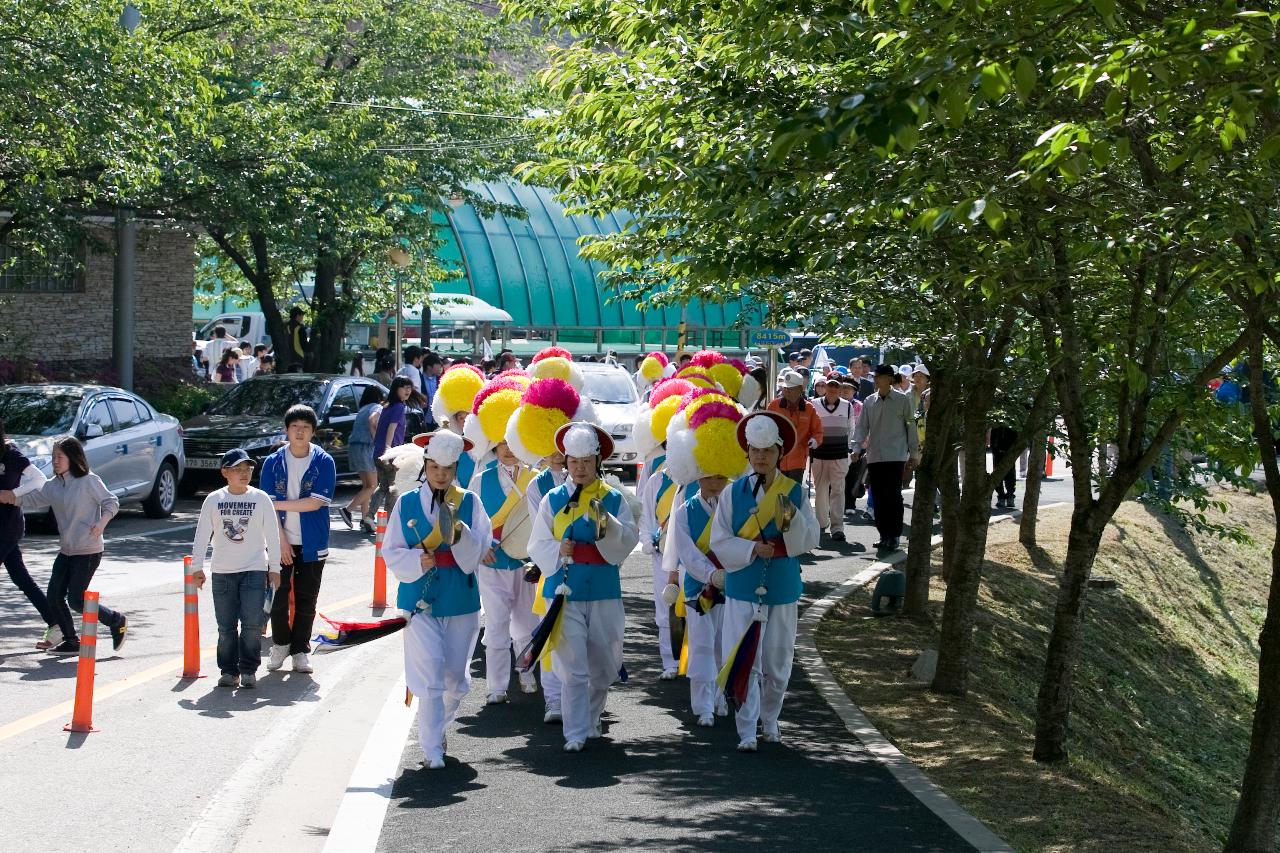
[528,682]
[771,736]
[434,763]
[668,675]
[748,745]
[595,732]
[722,706]
[278,654]
[706,721]
[496,698]
[302,663]
[552,714]
[574,746]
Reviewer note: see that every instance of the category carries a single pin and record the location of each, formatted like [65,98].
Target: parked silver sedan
[136,450]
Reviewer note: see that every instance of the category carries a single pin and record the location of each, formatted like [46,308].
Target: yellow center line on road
[63,709]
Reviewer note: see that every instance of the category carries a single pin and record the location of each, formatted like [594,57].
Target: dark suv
[251,416]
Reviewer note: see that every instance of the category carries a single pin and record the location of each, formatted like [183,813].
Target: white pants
[706,656]
[437,659]
[587,660]
[508,620]
[772,670]
[828,486]
[662,614]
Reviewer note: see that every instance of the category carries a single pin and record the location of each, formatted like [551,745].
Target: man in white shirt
[888,426]
[214,349]
[241,523]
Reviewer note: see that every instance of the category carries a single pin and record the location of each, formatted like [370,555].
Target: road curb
[903,770]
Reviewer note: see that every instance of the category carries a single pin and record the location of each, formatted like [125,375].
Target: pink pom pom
[741,365]
[493,386]
[507,374]
[707,358]
[671,387]
[552,393]
[660,357]
[714,409]
[551,352]
[689,396]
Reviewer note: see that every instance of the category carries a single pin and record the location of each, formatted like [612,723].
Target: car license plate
[203,462]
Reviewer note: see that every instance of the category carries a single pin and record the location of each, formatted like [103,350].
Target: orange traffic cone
[82,710]
[379,564]
[190,622]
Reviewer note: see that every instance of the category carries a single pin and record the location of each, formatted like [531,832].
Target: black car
[251,416]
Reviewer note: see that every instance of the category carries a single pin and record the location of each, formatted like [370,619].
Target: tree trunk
[1031,492]
[329,322]
[1253,829]
[973,514]
[936,454]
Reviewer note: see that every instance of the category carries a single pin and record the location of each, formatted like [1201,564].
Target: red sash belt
[446,560]
[497,533]
[587,552]
[779,546]
[715,561]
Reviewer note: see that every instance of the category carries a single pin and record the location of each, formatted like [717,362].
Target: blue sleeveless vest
[492,498]
[781,577]
[449,590]
[699,520]
[466,471]
[587,582]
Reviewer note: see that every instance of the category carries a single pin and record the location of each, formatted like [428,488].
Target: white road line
[177,528]
[358,823]
[218,828]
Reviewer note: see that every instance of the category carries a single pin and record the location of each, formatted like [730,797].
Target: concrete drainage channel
[908,775]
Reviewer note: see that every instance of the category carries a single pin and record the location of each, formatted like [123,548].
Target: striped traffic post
[379,564]
[82,710]
[190,622]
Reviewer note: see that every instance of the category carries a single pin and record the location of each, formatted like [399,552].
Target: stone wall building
[58,312]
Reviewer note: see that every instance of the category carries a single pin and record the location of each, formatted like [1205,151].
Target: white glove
[813,444]
[717,578]
[670,593]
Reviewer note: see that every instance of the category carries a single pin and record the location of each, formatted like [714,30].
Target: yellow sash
[514,497]
[434,539]
[665,502]
[766,507]
[571,512]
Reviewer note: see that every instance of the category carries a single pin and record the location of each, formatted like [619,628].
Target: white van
[242,325]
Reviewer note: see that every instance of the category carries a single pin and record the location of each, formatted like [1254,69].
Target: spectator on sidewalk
[831,460]
[240,522]
[213,350]
[902,384]
[384,369]
[19,476]
[225,371]
[300,477]
[804,419]
[887,428]
[360,454]
[267,364]
[249,364]
[853,488]
[412,366]
[298,333]
[862,376]
[83,506]
[1001,439]
[388,425]
[432,367]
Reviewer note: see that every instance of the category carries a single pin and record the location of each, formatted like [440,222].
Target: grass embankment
[1165,685]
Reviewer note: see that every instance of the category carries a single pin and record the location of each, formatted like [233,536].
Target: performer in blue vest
[763,523]
[552,474]
[506,596]
[435,539]
[581,534]
[658,496]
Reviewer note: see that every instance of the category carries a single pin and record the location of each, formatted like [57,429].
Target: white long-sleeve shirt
[619,540]
[404,559]
[32,478]
[244,531]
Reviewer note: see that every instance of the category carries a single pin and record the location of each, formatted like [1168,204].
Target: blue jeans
[238,599]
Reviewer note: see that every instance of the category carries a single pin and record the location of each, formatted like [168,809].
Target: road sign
[770,338]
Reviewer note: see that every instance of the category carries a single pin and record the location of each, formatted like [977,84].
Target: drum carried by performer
[763,523]
[435,539]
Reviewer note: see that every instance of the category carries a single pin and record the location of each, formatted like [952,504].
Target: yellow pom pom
[699,402]
[651,369]
[551,367]
[717,450]
[495,411]
[537,427]
[727,377]
[661,417]
[458,389]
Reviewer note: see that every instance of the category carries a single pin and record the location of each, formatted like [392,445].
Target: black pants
[1002,439]
[68,581]
[304,578]
[11,556]
[884,479]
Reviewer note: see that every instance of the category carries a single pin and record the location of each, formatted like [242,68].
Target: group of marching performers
[506,507]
